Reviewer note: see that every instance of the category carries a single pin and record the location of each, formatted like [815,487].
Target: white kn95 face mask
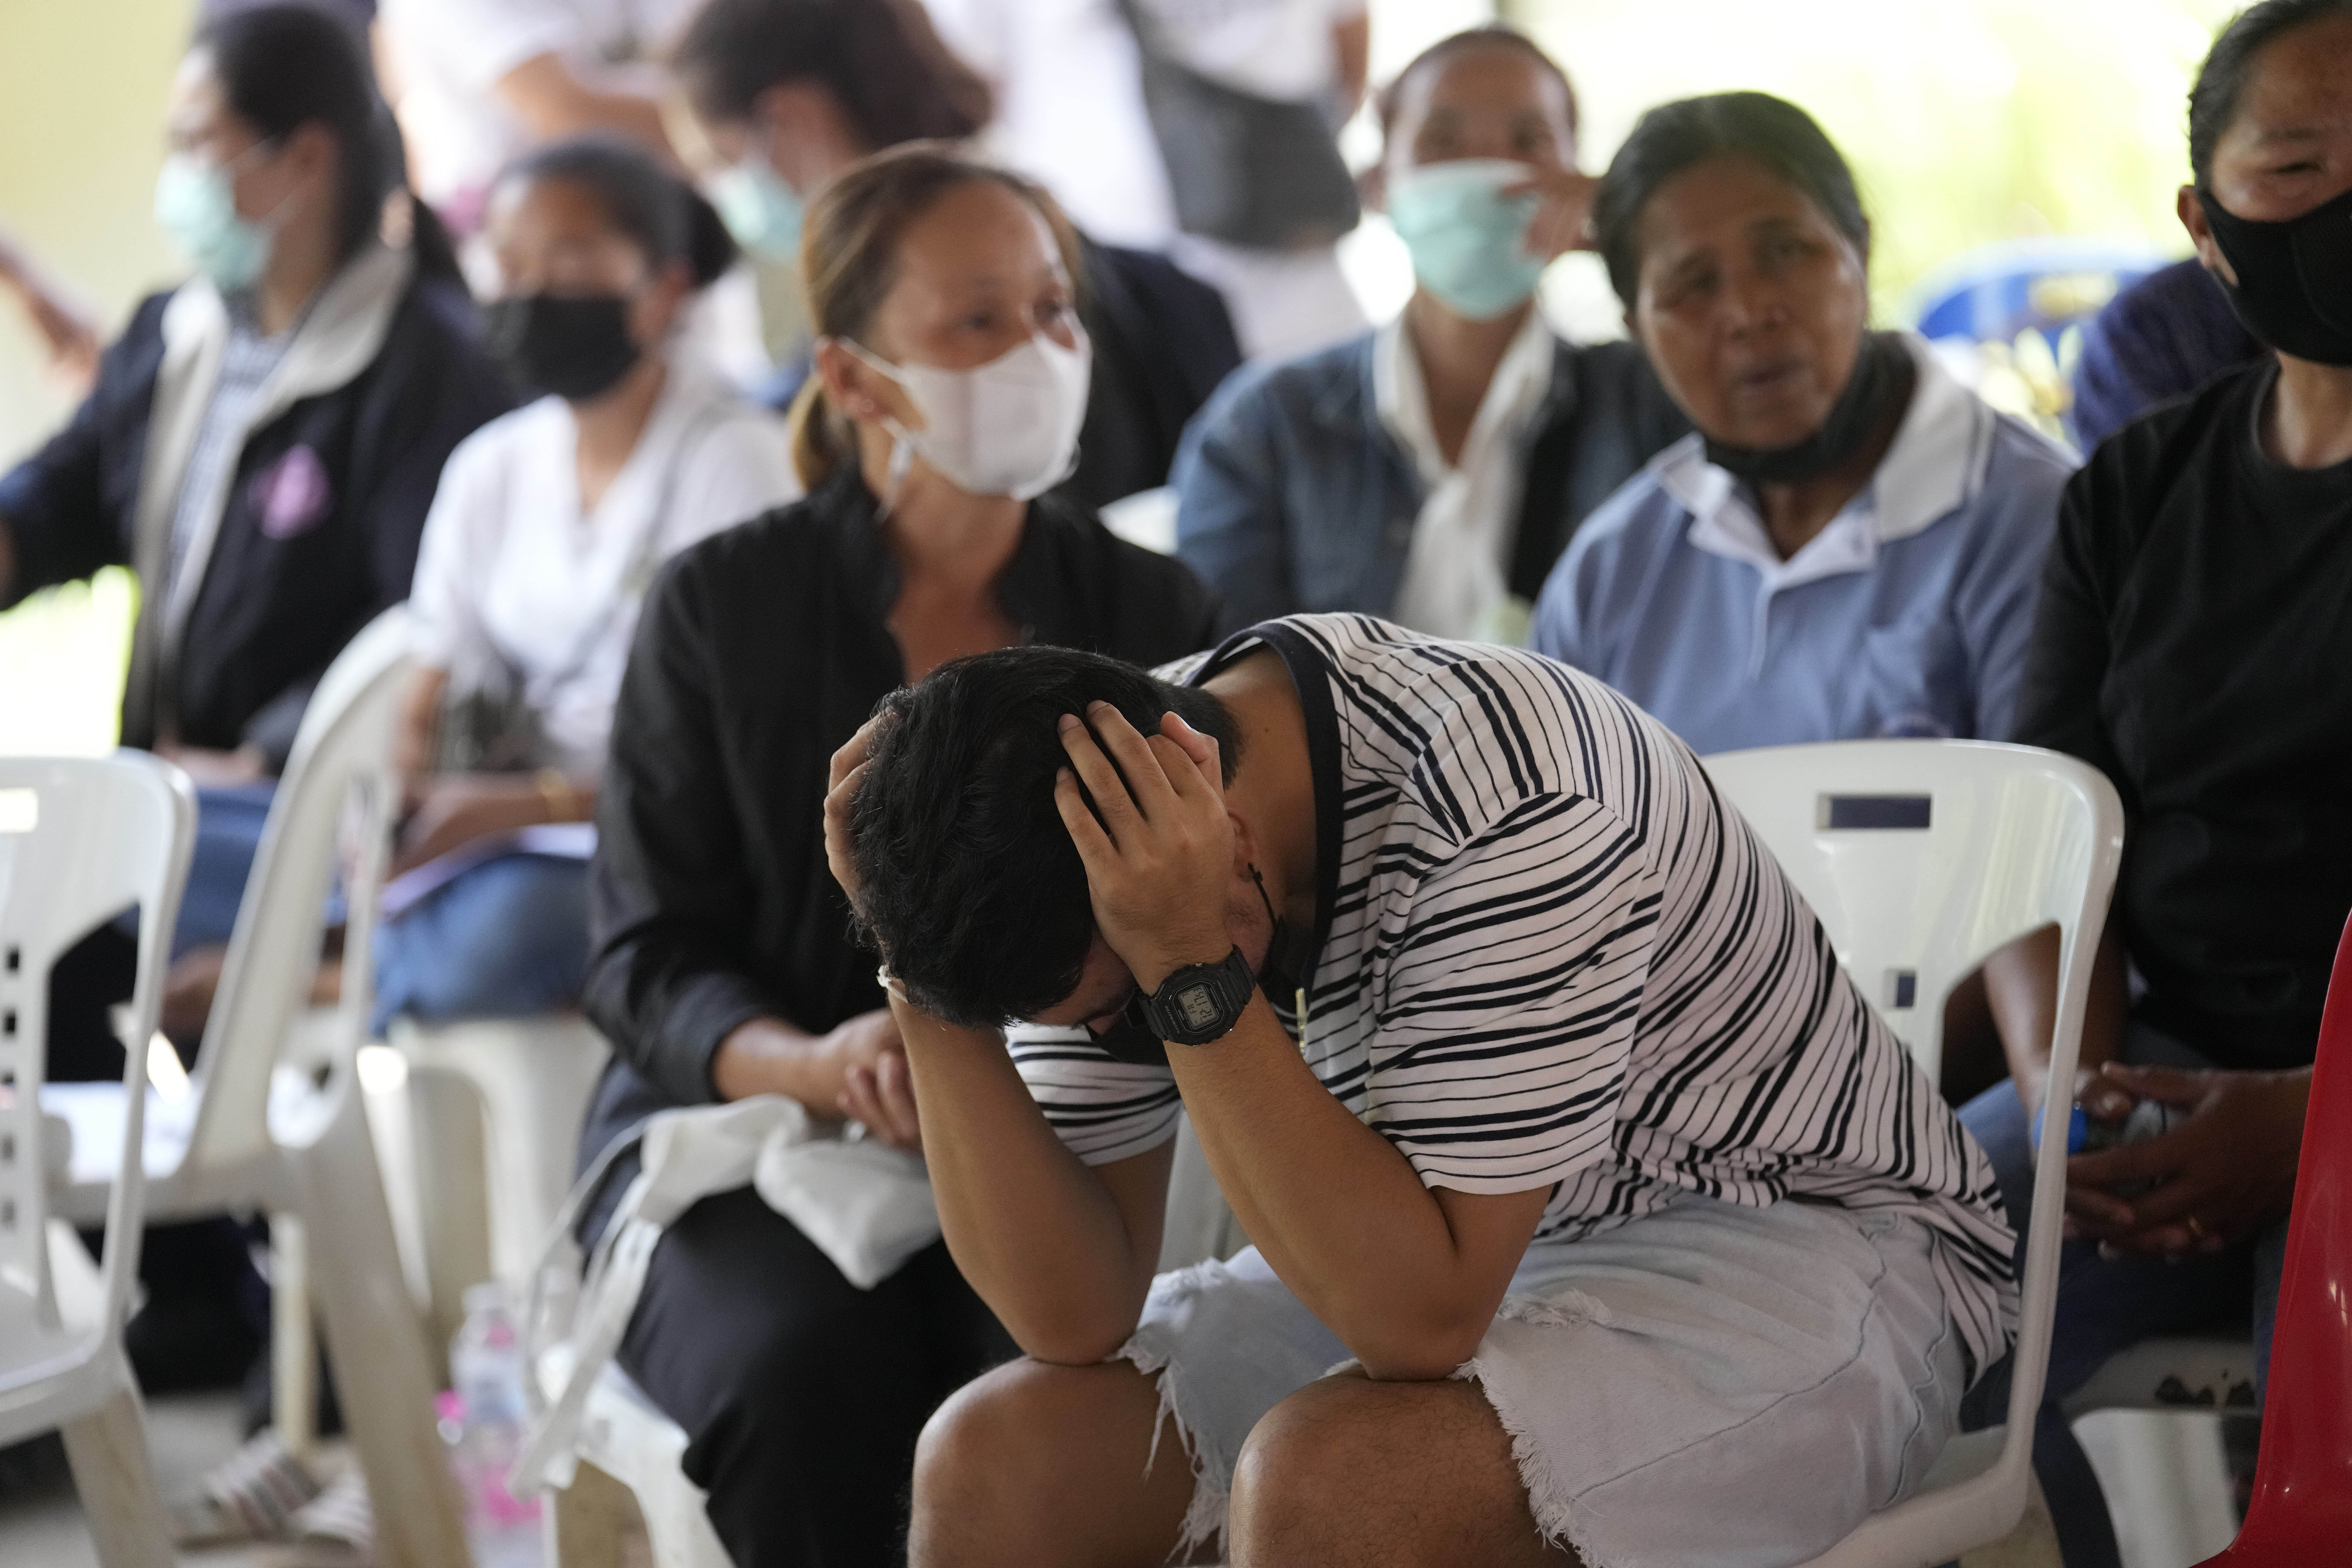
[1009,428]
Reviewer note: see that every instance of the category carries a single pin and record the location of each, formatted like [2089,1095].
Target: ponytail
[816,434]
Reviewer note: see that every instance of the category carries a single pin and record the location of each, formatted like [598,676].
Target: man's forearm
[1333,1208]
[1043,1238]
[2021,987]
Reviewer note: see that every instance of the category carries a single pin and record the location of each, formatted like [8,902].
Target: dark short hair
[969,878]
[2221,84]
[666,218]
[1677,136]
[882,59]
[1491,35]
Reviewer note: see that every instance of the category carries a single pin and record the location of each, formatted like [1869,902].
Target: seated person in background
[1847,545]
[2193,644]
[1432,471]
[951,377]
[2162,338]
[1525,1067]
[787,93]
[262,446]
[550,525]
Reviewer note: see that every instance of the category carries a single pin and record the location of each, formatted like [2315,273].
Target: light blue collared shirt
[1907,615]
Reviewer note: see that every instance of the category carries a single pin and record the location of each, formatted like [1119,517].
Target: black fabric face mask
[575,346]
[2294,279]
[1883,374]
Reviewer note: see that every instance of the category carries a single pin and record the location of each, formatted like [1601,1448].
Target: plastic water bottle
[488,1414]
[2147,1118]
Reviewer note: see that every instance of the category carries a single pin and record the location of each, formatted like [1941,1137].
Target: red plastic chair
[2301,1510]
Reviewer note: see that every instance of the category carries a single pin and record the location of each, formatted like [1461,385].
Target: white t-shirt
[1457,570]
[510,569]
[448,55]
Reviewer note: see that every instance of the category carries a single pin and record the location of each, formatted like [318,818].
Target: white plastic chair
[629,1446]
[257,1132]
[1921,858]
[527,1082]
[80,840]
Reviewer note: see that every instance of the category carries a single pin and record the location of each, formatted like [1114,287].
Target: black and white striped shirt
[1550,955]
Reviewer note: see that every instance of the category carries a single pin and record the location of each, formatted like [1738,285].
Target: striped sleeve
[1104,1109]
[1511,998]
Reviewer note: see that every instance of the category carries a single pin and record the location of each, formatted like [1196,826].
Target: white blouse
[513,573]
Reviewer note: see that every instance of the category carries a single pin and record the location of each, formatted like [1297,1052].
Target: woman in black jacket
[787,93]
[951,380]
[262,446]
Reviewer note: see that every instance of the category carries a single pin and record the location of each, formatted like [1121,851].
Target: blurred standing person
[1848,544]
[1072,110]
[262,446]
[951,375]
[785,94]
[1430,472]
[550,525]
[477,82]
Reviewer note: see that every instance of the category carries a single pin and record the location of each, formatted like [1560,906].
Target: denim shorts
[1710,1386]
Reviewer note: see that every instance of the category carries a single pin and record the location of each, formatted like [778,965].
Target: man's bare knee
[1035,1464]
[1406,1474]
[981,1448]
[1294,1478]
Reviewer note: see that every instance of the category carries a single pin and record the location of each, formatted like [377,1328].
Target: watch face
[1198,1005]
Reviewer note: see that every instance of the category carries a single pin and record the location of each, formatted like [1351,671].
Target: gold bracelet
[555,791]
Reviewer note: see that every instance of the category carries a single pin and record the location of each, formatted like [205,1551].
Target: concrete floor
[41,1519]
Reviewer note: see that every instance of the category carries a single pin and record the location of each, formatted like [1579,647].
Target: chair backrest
[338,794]
[81,839]
[2302,1507]
[1921,858]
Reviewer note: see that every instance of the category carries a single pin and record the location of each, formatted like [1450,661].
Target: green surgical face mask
[762,212]
[195,207]
[1468,240]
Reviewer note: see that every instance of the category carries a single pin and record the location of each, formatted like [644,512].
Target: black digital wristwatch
[1201,1002]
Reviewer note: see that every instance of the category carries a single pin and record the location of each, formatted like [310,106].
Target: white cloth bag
[867,1206]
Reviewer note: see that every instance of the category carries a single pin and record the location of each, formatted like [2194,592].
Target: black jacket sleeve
[673,898]
[54,504]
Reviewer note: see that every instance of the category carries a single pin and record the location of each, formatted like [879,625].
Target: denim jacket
[1293,495]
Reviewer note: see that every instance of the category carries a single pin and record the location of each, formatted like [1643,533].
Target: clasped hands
[2217,1178]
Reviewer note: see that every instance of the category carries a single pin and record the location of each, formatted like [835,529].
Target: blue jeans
[2105,1306]
[229,833]
[505,939]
